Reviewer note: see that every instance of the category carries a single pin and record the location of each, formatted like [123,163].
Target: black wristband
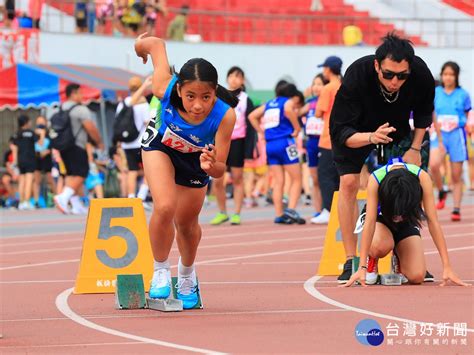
[363,267]
[415,149]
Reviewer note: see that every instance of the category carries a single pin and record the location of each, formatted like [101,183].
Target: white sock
[67,193]
[142,192]
[76,202]
[184,271]
[161,265]
[131,195]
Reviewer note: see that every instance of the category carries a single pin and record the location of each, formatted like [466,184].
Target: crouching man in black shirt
[372,108]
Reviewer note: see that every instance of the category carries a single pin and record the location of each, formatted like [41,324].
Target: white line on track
[197,314]
[310,287]
[63,306]
[265,241]
[40,264]
[73,345]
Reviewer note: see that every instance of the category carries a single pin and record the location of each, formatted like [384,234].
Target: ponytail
[226,96]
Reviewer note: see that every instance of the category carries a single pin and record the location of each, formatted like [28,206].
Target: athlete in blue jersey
[452,104]
[313,128]
[396,194]
[280,120]
[187,142]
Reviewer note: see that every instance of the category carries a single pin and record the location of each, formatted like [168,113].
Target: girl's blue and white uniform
[280,145]
[313,129]
[168,132]
[450,112]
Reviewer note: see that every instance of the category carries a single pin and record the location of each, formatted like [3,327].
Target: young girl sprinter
[186,143]
[399,191]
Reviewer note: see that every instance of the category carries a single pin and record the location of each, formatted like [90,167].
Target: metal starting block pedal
[391,279]
[130,292]
[164,305]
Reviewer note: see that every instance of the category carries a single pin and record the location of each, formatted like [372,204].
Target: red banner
[18,46]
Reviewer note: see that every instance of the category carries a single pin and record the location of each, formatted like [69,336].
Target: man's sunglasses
[390,74]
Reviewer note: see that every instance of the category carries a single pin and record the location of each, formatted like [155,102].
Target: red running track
[258,288]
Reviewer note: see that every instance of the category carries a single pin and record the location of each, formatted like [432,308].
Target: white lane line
[310,287]
[266,241]
[264,282]
[40,264]
[63,306]
[197,314]
[432,252]
[40,251]
[73,345]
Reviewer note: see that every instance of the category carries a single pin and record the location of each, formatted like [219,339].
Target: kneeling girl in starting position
[395,195]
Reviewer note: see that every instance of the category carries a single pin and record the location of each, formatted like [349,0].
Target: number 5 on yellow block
[116,242]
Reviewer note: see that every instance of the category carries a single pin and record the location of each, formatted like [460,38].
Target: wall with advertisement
[18,46]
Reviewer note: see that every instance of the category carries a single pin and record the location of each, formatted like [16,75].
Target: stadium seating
[277,22]
[282,22]
[466,6]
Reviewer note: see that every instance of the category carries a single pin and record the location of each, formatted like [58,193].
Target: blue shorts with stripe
[282,151]
[455,143]
[312,151]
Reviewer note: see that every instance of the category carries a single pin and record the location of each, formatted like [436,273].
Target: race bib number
[448,122]
[149,134]
[172,140]
[292,152]
[314,126]
[271,118]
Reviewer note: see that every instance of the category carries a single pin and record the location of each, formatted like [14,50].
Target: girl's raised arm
[156,48]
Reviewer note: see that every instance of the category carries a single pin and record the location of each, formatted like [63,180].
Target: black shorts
[134,159]
[187,166]
[26,167]
[404,230]
[44,164]
[350,160]
[236,153]
[76,161]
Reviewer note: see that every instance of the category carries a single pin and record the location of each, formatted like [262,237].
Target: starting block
[130,292]
[391,279]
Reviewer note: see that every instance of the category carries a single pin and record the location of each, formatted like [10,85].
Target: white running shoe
[79,209]
[372,274]
[160,284]
[62,204]
[187,290]
[322,218]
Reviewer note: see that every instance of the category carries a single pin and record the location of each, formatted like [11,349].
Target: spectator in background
[243,135]
[44,160]
[327,173]
[24,157]
[8,11]
[452,104]
[177,27]
[153,8]
[75,159]
[141,114]
[35,7]
[105,12]
[81,15]
[10,178]
[133,17]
